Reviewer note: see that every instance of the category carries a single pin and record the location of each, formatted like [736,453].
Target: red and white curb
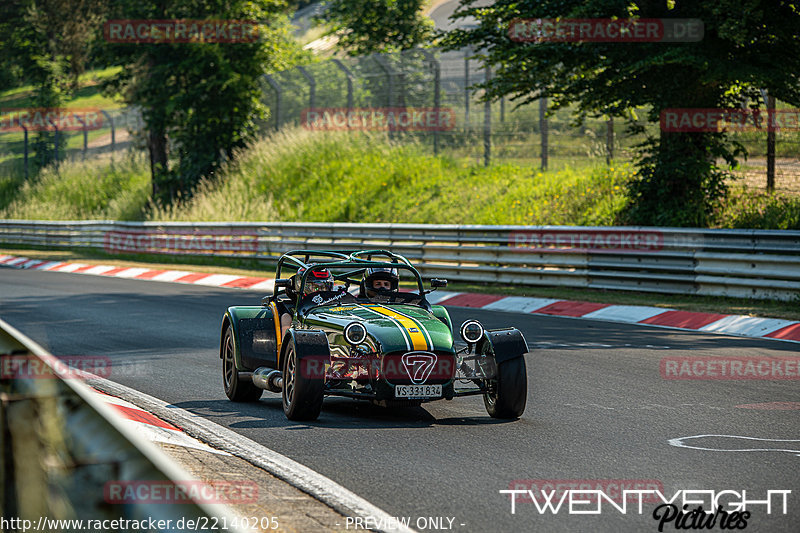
[150,426]
[737,325]
[174,276]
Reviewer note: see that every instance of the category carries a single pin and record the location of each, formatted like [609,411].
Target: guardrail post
[312,87]
[274,84]
[543,129]
[487,122]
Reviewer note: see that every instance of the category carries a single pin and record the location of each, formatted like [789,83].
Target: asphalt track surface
[598,407]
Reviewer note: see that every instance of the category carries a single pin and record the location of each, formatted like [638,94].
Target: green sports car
[339,324]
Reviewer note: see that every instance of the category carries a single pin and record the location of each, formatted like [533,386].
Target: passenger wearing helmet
[379,281]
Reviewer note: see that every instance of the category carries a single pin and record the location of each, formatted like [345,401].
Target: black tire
[509,391]
[302,395]
[235,389]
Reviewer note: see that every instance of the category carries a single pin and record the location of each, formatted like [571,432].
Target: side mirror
[282,283]
[437,283]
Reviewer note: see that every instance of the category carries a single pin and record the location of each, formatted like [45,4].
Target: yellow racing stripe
[412,328]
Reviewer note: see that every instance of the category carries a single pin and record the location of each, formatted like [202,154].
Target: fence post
[349,76]
[26,150]
[503,109]
[770,143]
[389,78]
[437,96]
[543,129]
[487,121]
[609,140]
[312,87]
[113,137]
[55,151]
[466,89]
[274,84]
[85,137]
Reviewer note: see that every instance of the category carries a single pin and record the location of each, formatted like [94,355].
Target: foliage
[738,55]
[300,175]
[47,43]
[369,26]
[92,190]
[201,101]
[748,208]
[340,177]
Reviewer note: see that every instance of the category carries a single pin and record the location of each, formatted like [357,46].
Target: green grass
[96,190]
[299,175]
[337,177]
[87,95]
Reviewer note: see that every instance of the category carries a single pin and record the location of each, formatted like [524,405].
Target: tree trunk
[157,146]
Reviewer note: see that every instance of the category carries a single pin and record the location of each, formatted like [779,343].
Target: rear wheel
[235,389]
[302,390]
[509,391]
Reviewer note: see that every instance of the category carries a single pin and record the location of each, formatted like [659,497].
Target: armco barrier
[61,447]
[743,263]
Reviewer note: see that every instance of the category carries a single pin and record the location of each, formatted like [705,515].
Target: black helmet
[318,280]
[372,274]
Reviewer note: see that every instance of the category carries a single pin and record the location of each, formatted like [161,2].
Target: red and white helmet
[318,280]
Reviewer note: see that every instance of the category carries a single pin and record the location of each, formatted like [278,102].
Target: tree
[47,43]
[747,45]
[368,26]
[199,100]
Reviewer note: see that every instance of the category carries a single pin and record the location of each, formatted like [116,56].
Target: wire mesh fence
[340,93]
[432,98]
[109,132]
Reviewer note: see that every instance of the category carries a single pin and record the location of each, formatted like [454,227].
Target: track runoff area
[615,436]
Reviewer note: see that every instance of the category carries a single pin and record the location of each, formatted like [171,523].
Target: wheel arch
[503,344]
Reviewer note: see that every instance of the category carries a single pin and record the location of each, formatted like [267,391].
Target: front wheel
[509,391]
[302,387]
[235,389]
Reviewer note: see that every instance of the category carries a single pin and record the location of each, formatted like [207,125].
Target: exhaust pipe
[268,379]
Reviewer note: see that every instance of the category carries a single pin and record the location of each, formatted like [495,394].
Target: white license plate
[417,391]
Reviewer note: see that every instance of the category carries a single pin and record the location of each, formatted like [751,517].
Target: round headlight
[471,331]
[355,333]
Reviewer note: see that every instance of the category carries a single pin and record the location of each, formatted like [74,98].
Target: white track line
[320,487]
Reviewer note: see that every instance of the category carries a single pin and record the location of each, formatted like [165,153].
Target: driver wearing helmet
[318,280]
[379,281]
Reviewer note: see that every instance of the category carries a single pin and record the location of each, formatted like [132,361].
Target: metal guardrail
[60,447]
[740,263]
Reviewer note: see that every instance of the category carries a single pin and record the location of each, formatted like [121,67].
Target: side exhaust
[268,379]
